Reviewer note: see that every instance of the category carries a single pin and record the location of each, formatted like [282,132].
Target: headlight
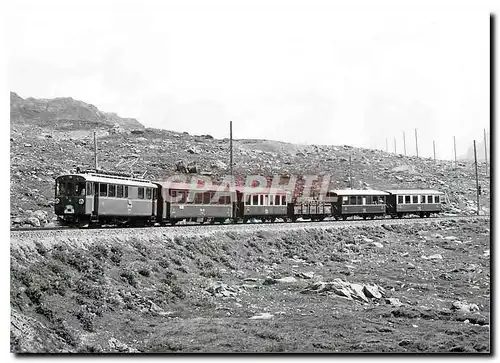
[57,200]
[80,201]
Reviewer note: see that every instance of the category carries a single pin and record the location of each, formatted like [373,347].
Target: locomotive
[94,198]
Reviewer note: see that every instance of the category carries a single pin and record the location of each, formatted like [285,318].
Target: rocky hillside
[51,137]
[63,112]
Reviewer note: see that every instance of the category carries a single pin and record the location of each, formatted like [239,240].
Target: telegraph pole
[434,148]
[350,172]
[404,142]
[455,149]
[95,152]
[477,179]
[416,141]
[485,152]
[231,147]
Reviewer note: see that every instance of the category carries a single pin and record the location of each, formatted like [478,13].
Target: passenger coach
[363,203]
[93,198]
[421,202]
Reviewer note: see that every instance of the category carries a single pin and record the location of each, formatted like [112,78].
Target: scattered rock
[393,301]
[263,316]
[305,275]
[193,150]
[464,307]
[121,347]
[377,244]
[219,289]
[287,279]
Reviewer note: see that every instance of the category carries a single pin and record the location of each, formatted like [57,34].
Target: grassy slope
[146,292]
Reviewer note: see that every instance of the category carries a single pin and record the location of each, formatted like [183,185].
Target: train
[97,198]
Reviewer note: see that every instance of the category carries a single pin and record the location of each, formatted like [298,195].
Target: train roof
[257,190]
[342,192]
[414,192]
[102,178]
[190,186]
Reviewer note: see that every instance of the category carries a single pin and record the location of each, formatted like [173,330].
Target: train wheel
[273,219]
[344,218]
[364,217]
[400,215]
[372,216]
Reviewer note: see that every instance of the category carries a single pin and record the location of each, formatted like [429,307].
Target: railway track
[257,226]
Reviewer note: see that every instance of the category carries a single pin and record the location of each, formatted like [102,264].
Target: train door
[95,205]
[153,202]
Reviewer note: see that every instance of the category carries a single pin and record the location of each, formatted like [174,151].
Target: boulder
[372,291]
[33,221]
[193,168]
[180,166]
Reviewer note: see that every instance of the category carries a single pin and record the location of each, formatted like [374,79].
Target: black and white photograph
[249,177]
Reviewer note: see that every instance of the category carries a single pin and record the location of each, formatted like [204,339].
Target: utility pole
[350,172]
[434,148]
[394,145]
[477,179]
[231,147]
[416,141]
[485,152]
[95,152]
[455,149]
[404,141]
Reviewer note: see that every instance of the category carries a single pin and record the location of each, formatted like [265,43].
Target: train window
[119,191]
[381,200]
[352,200]
[436,199]
[283,200]
[112,190]
[400,199]
[415,199]
[266,199]
[255,200]
[89,189]
[271,200]
[261,200]
[345,199]
[277,200]
[206,198]
[103,190]
[247,199]
[126,191]
[155,193]
[80,189]
[140,193]
[429,199]
[407,199]
[148,193]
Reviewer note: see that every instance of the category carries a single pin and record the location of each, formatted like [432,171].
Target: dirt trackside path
[391,288]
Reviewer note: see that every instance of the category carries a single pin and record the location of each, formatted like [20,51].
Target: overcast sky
[305,72]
